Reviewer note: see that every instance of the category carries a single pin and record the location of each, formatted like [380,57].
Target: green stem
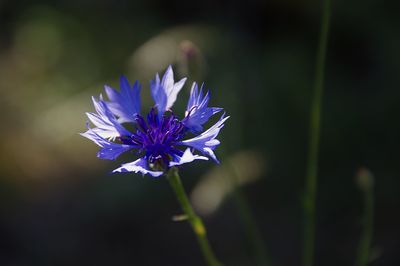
[194,220]
[365,242]
[252,230]
[312,162]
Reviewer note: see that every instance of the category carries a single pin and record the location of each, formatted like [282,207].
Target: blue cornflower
[160,136]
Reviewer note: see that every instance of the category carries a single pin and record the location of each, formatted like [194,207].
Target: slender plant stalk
[365,242]
[252,230]
[193,219]
[366,184]
[312,163]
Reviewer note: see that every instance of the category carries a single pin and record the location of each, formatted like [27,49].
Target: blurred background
[59,204]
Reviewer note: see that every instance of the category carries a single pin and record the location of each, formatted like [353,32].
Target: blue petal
[159,95]
[187,157]
[106,124]
[140,165]
[109,150]
[197,112]
[124,104]
[164,92]
[206,142]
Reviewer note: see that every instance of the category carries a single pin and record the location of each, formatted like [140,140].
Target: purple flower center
[157,138]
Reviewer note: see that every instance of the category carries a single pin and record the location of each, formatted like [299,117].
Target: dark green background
[59,205]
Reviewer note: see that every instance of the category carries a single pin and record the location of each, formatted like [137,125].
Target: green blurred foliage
[59,204]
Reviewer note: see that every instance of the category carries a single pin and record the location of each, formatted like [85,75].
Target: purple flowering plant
[161,140]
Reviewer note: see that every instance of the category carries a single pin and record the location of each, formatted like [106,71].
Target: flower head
[160,138]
